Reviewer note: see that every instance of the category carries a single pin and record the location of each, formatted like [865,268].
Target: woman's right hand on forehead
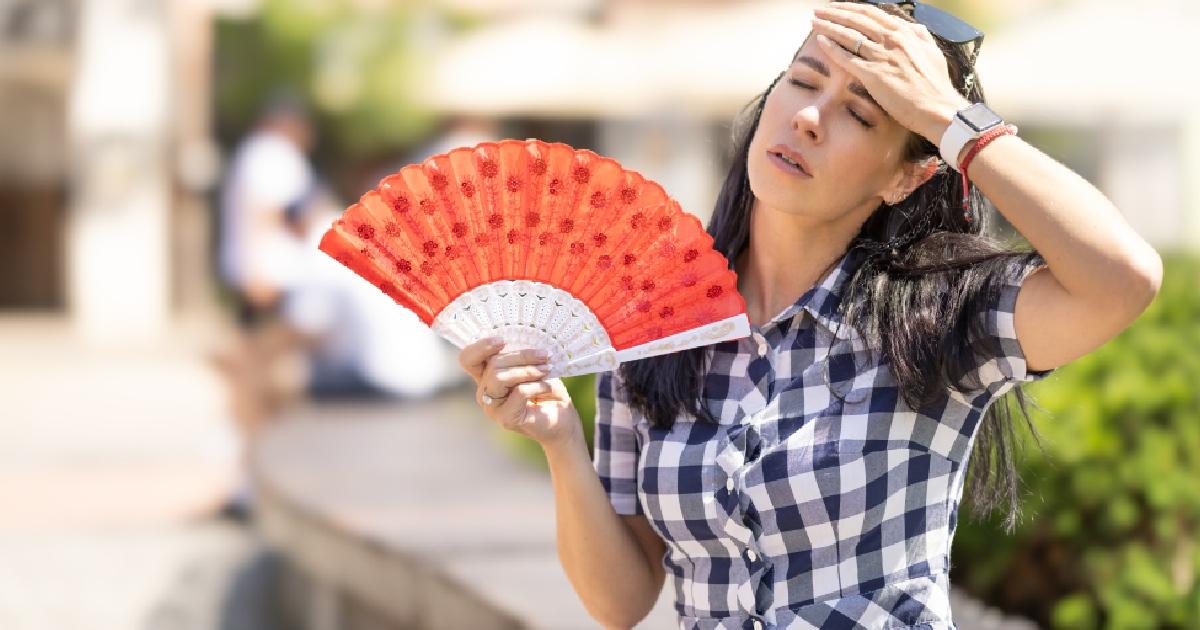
[535,406]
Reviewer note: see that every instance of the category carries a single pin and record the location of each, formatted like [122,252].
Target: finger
[512,412]
[534,389]
[881,18]
[844,58]
[508,378]
[863,23]
[479,392]
[498,397]
[847,38]
[474,357]
[528,356]
[889,26]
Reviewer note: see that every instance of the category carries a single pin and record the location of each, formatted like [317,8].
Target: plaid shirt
[799,510]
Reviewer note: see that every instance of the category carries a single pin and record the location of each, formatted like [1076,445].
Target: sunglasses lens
[945,25]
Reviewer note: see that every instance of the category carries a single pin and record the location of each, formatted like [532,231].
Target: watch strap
[956,136]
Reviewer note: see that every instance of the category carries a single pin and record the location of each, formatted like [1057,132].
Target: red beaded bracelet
[987,137]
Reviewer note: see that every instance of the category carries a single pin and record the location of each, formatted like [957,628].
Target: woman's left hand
[899,63]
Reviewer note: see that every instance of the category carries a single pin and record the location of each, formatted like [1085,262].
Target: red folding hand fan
[546,246]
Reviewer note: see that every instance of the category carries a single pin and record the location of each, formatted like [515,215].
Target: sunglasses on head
[941,24]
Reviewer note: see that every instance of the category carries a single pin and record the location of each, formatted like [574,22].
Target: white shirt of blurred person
[366,344]
[269,172]
[363,344]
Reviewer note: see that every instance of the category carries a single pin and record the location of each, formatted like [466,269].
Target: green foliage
[358,67]
[1112,505]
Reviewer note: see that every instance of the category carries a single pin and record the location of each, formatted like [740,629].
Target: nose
[807,121]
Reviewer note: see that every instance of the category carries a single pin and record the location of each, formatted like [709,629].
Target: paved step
[109,437]
[181,576]
[418,511]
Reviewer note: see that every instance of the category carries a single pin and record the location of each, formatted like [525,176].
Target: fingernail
[494,341]
[540,354]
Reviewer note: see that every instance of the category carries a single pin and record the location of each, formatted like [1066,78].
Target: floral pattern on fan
[546,246]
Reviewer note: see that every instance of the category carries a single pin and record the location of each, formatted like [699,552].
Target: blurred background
[206,423]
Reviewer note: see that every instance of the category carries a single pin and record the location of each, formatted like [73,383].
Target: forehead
[810,48]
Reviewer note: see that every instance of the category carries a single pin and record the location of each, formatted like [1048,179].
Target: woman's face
[851,148]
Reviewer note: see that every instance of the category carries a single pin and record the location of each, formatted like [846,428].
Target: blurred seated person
[359,342]
[261,231]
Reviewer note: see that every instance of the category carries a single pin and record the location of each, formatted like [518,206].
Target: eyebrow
[855,87]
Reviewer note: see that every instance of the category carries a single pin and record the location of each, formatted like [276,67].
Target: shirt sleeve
[615,444]
[1003,363]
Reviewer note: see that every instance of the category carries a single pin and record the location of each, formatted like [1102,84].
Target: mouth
[789,161]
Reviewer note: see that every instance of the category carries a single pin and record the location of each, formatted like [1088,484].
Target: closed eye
[860,119]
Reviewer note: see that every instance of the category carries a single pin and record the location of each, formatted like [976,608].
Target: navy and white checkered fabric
[799,510]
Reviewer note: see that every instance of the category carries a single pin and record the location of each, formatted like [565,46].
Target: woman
[810,475]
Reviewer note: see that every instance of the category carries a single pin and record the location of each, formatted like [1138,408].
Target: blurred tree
[357,64]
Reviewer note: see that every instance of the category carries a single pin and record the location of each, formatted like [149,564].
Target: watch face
[980,117]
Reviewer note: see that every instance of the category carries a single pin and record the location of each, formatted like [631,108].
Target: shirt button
[757,625]
[729,484]
[762,344]
[751,555]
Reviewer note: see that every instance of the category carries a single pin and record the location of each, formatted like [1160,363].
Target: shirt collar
[823,299]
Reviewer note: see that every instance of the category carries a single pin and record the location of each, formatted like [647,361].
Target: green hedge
[1111,530]
[1112,507]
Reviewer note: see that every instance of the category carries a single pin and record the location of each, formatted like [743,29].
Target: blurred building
[655,84]
[106,158]
[111,417]
[1105,91]
[37,40]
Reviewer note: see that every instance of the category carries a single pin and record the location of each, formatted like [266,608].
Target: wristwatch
[968,123]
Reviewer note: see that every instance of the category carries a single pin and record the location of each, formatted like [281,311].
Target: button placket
[762,373]
[729,461]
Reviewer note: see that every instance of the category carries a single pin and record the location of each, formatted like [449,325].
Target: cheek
[858,160]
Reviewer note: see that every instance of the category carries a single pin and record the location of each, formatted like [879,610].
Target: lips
[792,155]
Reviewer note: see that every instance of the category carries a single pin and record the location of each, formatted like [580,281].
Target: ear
[910,177]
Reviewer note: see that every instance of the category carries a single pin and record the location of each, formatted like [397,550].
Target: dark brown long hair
[943,271]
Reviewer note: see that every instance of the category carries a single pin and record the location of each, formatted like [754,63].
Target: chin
[770,188]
